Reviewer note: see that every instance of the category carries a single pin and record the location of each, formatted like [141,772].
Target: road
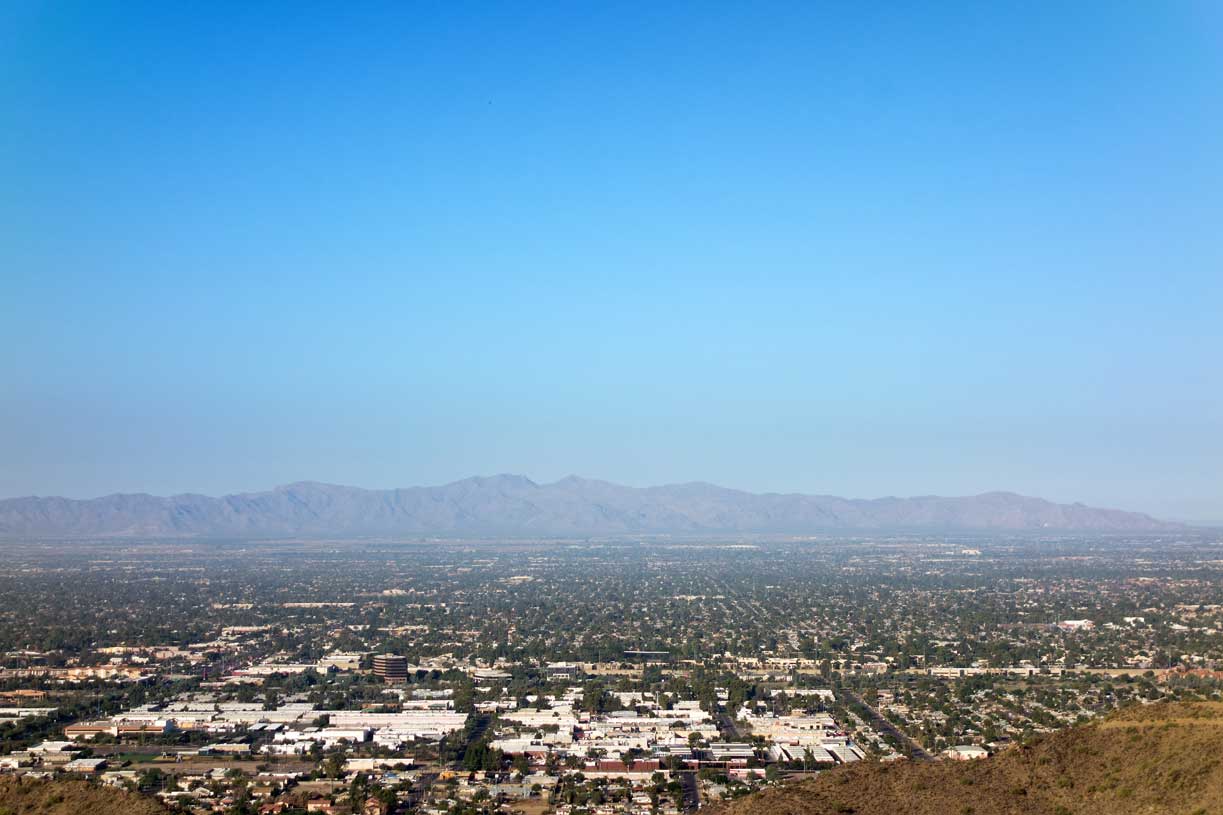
[483,720]
[692,790]
[884,726]
[729,731]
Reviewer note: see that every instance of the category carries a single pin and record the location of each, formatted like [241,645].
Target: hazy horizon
[776,247]
[561,479]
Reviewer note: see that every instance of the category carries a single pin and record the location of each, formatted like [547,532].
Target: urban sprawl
[576,677]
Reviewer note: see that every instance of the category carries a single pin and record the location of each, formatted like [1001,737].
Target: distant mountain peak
[501,480]
[299,486]
[513,505]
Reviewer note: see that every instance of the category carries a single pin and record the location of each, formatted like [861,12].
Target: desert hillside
[38,797]
[1158,759]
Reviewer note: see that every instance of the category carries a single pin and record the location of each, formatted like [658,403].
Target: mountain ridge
[514,505]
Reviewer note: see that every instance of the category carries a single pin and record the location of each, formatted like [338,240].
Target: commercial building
[391,667]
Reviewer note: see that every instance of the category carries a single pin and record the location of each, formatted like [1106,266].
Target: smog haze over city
[611,409]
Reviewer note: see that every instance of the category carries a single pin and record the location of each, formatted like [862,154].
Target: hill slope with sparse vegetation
[28,796]
[1163,758]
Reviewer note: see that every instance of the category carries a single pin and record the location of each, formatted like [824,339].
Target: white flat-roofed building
[85,765]
[427,704]
[444,720]
[54,747]
[845,751]
[278,668]
[800,752]
[357,765]
[728,751]
[528,717]
[489,675]
[300,740]
[25,712]
[806,729]
[966,752]
[562,669]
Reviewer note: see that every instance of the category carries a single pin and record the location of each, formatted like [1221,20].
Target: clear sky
[852,248]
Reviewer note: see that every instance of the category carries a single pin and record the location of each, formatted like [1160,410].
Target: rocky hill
[515,505]
[41,797]
[1165,758]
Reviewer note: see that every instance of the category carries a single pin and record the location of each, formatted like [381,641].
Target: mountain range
[513,505]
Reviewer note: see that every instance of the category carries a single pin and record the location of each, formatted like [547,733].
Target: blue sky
[860,249]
